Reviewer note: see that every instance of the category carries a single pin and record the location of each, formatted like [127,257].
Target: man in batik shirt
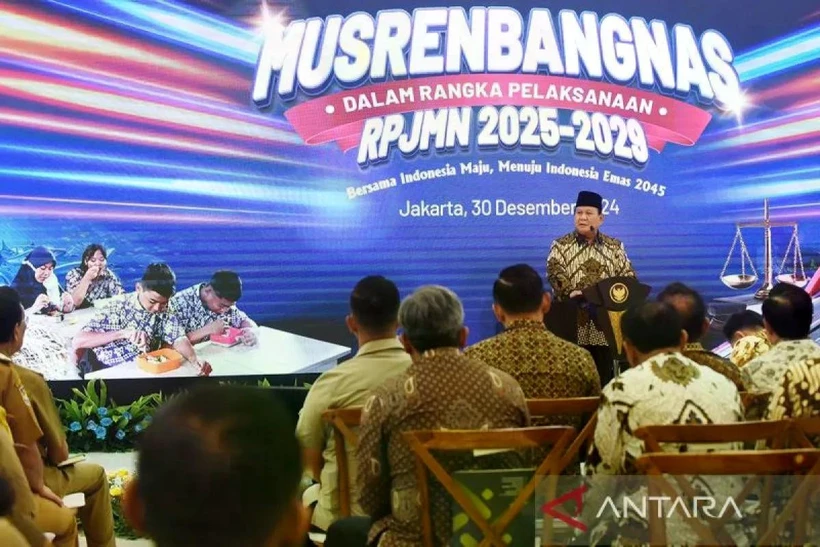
[544,365]
[746,333]
[207,309]
[662,387]
[137,324]
[442,389]
[787,316]
[581,259]
[692,310]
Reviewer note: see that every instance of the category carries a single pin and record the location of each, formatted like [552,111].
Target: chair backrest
[586,407]
[342,420]
[806,432]
[750,463]
[742,432]
[423,442]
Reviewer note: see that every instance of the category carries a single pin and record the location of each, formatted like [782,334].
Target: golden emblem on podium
[618,293]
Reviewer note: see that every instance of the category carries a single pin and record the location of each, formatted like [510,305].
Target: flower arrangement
[95,423]
[116,487]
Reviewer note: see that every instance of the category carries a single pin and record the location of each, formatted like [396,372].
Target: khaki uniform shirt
[701,356]
[575,264]
[544,365]
[24,510]
[48,417]
[14,398]
[346,385]
[442,390]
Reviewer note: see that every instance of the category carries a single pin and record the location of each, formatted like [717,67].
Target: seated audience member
[219,467]
[209,308]
[441,389]
[787,315]
[92,280]
[373,320]
[544,365]
[38,287]
[662,386]
[746,333]
[137,324]
[44,508]
[9,535]
[692,310]
[88,478]
[798,395]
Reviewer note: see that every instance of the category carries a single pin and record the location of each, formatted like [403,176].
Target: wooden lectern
[610,298]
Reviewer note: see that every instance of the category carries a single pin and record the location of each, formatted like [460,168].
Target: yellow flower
[116,491]
[122,473]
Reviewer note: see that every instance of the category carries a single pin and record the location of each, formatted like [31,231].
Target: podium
[605,302]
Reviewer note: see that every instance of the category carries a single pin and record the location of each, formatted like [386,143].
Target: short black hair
[375,302]
[746,319]
[788,310]
[11,313]
[159,278]
[519,289]
[219,467]
[652,326]
[692,311]
[227,284]
[89,252]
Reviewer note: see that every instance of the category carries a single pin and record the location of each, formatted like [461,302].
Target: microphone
[592,229]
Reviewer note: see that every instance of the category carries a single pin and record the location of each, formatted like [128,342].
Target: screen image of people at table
[88,322]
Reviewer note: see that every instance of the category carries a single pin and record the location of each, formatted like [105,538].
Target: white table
[276,352]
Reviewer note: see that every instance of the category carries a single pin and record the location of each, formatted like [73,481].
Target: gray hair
[432,317]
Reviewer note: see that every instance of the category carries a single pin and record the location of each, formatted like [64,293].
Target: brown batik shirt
[544,365]
[697,353]
[443,389]
[575,264]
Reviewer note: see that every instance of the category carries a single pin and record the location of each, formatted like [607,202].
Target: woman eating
[92,280]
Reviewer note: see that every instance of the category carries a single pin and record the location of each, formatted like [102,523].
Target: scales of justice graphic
[748,276]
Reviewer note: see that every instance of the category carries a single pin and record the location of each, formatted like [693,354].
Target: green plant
[94,423]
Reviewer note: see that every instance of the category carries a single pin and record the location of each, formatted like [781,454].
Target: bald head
[690,306]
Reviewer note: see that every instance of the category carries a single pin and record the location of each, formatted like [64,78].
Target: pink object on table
[229,337]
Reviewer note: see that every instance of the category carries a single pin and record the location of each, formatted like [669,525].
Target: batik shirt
[702,356]
[162,328]
[575,264]
[750,347]
[665,389]
[442,390]
[798,395]
[766,372]
[100,288]
[194,315]
[544,365]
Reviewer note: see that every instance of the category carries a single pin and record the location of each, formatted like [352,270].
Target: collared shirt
[798,395]
[544,365]
[697,353]
[100,288]
[443,389]
[750,347]
[766,372]
[15,400]
[24,509]
[346,385]
[162,328]
[665,389]
[574,264]
[193,314]
[48,417]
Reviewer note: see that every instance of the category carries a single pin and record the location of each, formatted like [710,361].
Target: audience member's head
[222,291]
[518,293]
[431,318]
[374,309]
[740,324]
[690,306]
[651,328]
[219,467]
[787,313]
[157,286]
[12,321]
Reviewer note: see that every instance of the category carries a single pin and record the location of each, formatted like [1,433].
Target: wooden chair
[587,407]
[342,420]
[758,463]
[422,442]
[805,432]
